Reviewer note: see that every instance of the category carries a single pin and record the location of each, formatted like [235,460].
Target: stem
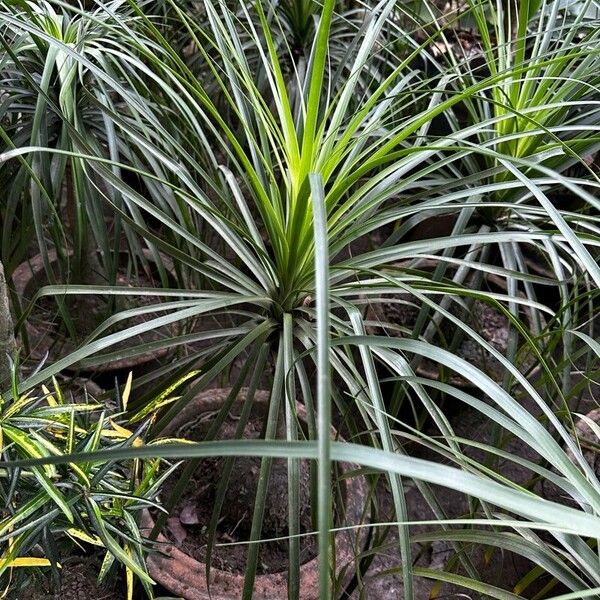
[86,267]
[8,346]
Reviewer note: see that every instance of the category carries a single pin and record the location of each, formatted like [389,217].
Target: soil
[187,527]
[78,583]
[402,310]
[87,313]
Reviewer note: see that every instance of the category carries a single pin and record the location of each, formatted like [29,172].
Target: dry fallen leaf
[175,528]
[189,515]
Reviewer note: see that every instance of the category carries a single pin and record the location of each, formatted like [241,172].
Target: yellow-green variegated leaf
[163,399]
[25,561]
[84,537]
[127,391]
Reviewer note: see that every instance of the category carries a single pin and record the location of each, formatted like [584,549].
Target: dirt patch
[78,582]
[47,332]
[189,521]
[402,311]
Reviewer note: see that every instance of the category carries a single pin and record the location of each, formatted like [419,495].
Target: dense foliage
[264,186]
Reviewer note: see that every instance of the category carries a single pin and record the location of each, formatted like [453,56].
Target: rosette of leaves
[528,91]
[61,73]
[271,237]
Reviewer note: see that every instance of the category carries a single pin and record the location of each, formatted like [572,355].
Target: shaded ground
[503,569]
[78,583]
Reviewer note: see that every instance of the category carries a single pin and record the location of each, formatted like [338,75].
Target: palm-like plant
[537,118]
[57,68]
[299,173]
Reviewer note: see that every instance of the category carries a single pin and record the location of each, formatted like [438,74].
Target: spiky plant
[289,194]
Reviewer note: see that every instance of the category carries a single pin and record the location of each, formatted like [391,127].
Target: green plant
[49,512]
[55,100]
[264,207]
[528,134]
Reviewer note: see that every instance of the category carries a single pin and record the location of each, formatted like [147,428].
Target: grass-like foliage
[284,157]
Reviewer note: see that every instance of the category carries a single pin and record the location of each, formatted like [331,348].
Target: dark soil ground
[78,583]
[188,524]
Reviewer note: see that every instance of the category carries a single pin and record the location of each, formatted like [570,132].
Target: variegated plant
[50,510]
